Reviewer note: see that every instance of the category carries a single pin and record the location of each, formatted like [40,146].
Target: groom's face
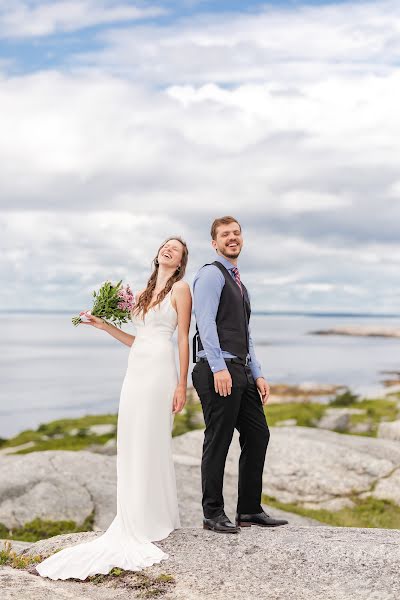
[228,241]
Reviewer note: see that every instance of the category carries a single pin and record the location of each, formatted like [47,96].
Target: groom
[229,382]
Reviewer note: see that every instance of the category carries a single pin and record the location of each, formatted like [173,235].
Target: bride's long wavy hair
[144,301]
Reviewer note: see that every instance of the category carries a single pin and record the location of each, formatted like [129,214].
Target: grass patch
[144,586]
[39,529]
[367,512]
[58,432]
[56,435]
[8,557]
[346,398]
[188,419]
[376,411]
[72,442]
[59,435]
[305,413]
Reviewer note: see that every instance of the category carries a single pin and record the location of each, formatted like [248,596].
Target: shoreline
[360,331]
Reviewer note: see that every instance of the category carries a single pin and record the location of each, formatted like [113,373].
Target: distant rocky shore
[360,330]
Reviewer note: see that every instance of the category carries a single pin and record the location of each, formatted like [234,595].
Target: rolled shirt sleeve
[254,364]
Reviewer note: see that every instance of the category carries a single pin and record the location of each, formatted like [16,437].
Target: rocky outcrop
[389,430]
[57,485]
[284,563]
[314,467]
[334,422]
[338,419]
[307,466]
[100,429]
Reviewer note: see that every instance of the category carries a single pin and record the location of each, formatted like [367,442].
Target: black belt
[238,360]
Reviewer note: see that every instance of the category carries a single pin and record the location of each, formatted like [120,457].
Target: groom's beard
[231,254]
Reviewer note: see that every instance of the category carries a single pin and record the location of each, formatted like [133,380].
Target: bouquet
[112,303]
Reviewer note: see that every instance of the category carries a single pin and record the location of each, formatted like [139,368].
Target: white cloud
[288,45]
[55,260]
[32,18]
[107,159]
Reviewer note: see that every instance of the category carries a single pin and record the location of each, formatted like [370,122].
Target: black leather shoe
[220,524]
[261,519]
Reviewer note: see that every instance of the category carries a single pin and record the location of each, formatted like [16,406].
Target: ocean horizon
[310,313]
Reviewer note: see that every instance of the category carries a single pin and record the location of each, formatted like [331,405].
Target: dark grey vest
[232,318]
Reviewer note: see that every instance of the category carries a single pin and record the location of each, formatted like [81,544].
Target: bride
[147,505]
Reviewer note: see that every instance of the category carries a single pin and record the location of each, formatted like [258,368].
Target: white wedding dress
[147,504]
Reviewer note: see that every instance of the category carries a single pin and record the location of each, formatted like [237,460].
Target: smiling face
[170,254]
[228,240]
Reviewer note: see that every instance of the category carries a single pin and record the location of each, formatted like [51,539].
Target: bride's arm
[182,301]
[121,336]
[118,334]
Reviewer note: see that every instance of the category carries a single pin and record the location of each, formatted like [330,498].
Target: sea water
[50,369]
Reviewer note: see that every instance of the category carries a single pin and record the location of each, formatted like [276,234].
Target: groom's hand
[263,388]
[223,382]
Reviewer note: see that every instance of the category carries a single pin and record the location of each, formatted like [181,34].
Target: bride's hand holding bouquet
[112,303]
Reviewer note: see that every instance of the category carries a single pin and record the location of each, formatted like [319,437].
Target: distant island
[359,330]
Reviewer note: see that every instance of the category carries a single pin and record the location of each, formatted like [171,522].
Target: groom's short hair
[222,221]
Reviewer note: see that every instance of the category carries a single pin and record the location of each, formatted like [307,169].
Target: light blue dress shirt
[207,287]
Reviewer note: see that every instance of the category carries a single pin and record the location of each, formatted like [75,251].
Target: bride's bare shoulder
[181,285]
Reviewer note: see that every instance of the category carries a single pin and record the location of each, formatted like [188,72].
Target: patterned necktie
[235,271]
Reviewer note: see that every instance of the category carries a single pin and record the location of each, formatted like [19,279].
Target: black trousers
[242,409]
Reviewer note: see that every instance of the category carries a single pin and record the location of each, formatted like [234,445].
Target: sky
[123,123]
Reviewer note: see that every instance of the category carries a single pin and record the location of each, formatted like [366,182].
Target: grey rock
[17,545]
[109,448]
[304,464]
[197,418]
[333,410]
[56,485]
[284,563]
[388,488]
[336,418]
[338,422]
[102,429]
[13,449]
[188,476]
[112,443]
[362,427]
[286,423]
[389,430]
[331,505]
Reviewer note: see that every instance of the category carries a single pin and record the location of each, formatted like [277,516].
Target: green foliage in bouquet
[112,303]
